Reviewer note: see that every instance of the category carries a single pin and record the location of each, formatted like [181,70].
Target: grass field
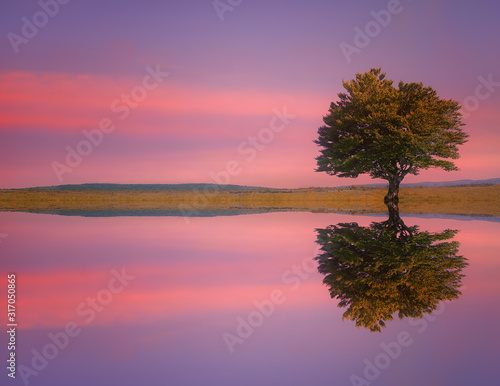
[478,200]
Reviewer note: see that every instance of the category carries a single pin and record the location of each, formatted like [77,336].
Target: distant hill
[447,183]
[117,187]
[458,182]
[215,187]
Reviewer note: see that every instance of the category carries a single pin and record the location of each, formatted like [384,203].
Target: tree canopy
[388,132]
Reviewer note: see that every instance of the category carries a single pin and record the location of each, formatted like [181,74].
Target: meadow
[470,200]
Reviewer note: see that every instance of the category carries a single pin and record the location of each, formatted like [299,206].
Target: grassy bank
[480,200]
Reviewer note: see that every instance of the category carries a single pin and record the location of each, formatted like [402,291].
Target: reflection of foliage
[388,267]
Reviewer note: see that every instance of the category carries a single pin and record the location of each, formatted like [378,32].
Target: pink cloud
[63,101]
[201,130]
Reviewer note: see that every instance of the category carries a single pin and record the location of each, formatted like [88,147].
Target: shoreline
[467,200]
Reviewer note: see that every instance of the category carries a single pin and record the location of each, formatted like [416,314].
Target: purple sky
[210,119]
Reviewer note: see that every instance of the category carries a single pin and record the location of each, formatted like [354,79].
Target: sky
[225,91]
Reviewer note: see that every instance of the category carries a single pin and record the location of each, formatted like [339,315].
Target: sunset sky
[189,91]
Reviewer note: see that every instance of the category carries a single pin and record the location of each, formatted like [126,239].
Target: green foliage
[388,268]
[388,132]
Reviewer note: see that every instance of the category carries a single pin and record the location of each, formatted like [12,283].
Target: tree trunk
[394,219]
[392,194]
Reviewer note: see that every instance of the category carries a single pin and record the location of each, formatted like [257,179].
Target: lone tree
[388,132]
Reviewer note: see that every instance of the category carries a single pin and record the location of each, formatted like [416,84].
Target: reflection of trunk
[392,194]
[395,224]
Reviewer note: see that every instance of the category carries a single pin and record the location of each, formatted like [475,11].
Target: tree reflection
[389,268]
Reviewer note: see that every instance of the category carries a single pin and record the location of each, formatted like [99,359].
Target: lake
[230,300]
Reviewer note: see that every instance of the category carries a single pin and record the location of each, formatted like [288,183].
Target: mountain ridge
[232,187]
[489,181]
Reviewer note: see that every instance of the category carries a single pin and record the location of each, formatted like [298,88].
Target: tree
[388,132]
[389,268]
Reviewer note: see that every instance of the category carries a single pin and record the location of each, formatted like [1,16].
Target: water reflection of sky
[194,280]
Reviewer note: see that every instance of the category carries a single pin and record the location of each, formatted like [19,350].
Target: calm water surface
[233,300]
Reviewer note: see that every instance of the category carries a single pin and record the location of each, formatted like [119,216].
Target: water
[230,300]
